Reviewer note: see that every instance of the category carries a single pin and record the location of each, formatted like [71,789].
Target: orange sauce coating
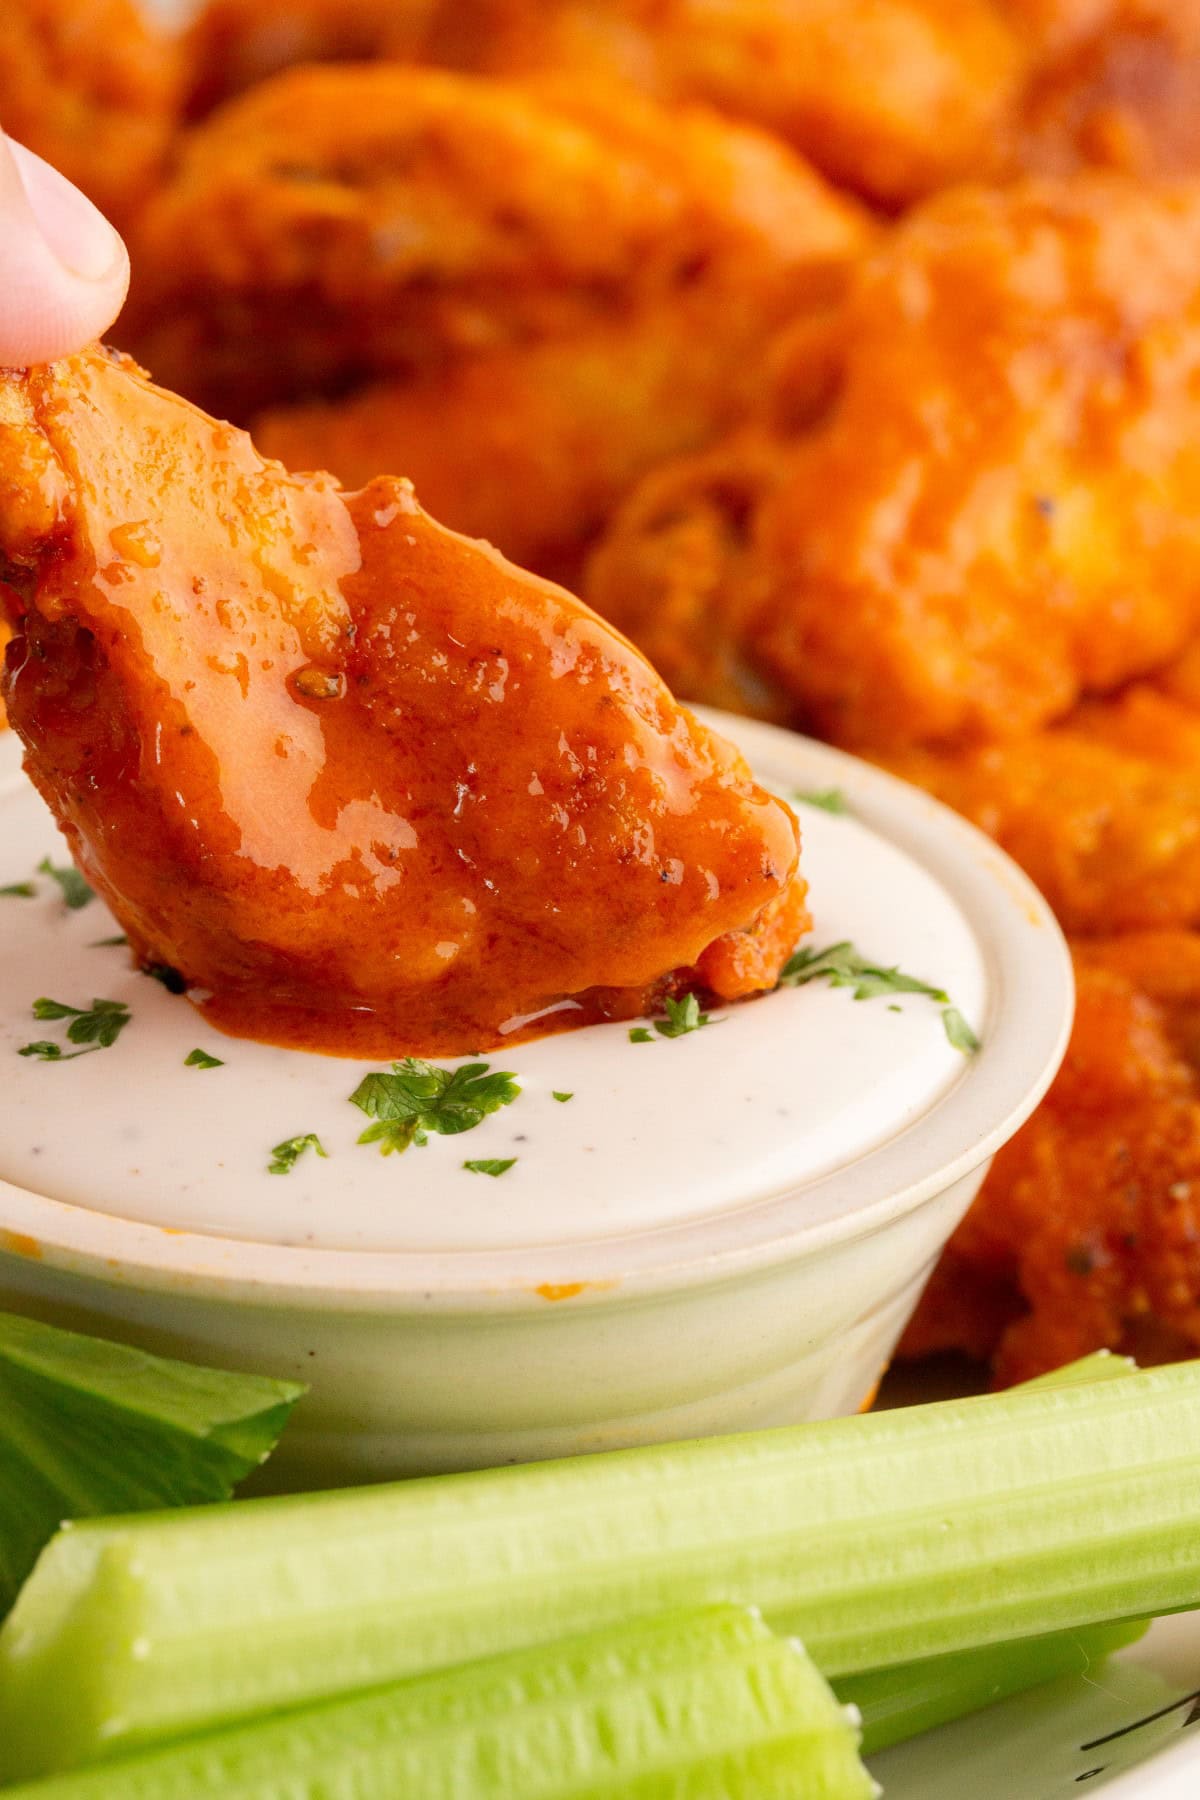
[364,784]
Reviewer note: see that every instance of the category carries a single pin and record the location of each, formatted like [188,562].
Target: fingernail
[76,231]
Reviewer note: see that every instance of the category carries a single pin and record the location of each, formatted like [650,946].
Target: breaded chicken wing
[1045,28]
[369,785]
[1087,1231]
[524,298]
[233,44]
[891,98]
[978,495]
[532,445]
[1103,811]
[92,86]
[1123,95]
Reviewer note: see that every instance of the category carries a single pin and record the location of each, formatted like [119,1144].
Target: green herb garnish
[75,890]
[490,1165]
[200,1059]
[555,1095]
[843,966]
[97,1026]
[18,890]
[682,1016]
[959,1032]
[285,1156]
[417,1097]
[830,800]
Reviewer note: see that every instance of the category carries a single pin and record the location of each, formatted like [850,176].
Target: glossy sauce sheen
[370,786]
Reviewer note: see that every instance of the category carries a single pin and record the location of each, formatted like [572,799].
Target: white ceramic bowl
[736,1307]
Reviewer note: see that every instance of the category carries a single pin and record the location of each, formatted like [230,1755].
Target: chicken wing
[522,299]
[976,492]
[92,86]
[369,785]
[1123,95]
[1103,811]
[232,45]
[1087,1231]
[891,98]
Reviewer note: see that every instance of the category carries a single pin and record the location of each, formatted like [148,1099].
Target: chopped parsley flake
[417,1097]
[490,1165]
[200,1059]
[98,1027]
[555,1095]
[75,890]
[18,890]
[830,800]
[958,1031]
[842,966]
[682,1016]
[285,1156]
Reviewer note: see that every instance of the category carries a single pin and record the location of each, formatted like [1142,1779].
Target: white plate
[1131,1729]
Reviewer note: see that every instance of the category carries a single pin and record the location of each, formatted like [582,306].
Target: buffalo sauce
[366,786]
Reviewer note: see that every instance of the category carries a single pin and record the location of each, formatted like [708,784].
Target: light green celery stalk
[696,1706]
[877,1540]
[1101,1365]
[90,1427]
[898,1703]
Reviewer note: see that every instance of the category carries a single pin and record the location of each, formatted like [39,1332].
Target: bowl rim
[1029,1016]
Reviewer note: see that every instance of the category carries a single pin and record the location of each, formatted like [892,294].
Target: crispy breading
[978,497]
[92,86]
[371,786]
[891,98]
[531,445]
[1045,28]
[524,299]
[1087,1231]
[1103,811]
[1123,95]
[680,571]
[233,44]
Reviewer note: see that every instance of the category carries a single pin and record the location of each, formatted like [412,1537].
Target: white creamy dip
[775,1093]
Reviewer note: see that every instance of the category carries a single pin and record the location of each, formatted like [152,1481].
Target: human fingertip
[66,270]
[77,232]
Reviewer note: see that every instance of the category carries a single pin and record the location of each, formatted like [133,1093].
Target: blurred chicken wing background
[844,353]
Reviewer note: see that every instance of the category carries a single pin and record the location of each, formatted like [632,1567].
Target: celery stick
[1101,1365]
[898,1703]
[877,1539]
[696,1706]
[90,1427]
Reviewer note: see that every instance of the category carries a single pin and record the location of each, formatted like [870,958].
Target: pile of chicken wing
[845,354]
